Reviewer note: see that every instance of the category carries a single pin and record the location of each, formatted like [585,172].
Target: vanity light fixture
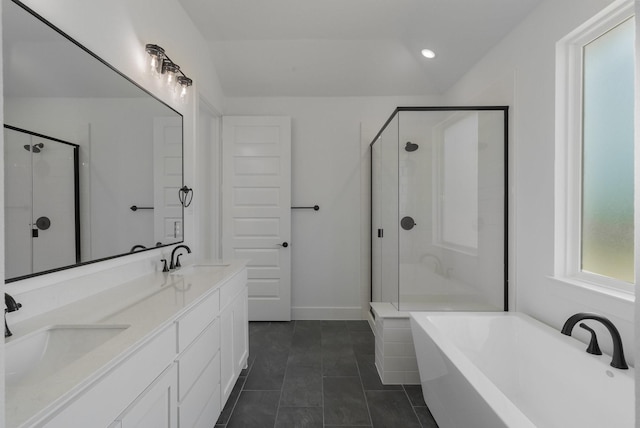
[160,64]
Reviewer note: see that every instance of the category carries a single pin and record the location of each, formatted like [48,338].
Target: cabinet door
[156,407]
[226,352]
[234,342]
[240,332]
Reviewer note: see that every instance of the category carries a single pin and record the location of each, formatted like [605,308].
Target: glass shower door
[385,216]
[40,186]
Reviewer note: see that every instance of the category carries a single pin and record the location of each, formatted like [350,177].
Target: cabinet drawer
[196,357]
[232,287]
[191,324]
[106,398]
[196,401]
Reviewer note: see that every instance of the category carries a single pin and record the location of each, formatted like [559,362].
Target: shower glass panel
[438,209]
[385,215]
[41,184]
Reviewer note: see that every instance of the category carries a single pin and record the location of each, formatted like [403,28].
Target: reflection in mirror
[66,105]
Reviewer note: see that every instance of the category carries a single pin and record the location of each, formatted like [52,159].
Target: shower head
[36,148]
[411,147]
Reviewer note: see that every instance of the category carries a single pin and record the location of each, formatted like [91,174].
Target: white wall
[1,229]
[330,167]
[637,212]
[525,62]
[117,31]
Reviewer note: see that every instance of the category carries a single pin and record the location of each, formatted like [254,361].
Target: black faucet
[11,306]
[175,263]
[618,360]
[137,247]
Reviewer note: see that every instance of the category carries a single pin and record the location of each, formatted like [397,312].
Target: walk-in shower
[439,209]
[41,195]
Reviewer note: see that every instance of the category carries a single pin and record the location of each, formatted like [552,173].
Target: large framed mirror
[93,162]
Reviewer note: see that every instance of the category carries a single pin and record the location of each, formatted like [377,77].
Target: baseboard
[321,313]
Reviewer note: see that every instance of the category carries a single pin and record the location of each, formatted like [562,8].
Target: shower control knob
[43,223]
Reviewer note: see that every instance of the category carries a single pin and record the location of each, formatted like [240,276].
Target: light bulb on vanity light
[183,88]
[171,71]
[155,59]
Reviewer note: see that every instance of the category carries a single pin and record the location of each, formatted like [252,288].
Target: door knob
[284,244]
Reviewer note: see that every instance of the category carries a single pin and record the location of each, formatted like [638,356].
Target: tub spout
[618,360]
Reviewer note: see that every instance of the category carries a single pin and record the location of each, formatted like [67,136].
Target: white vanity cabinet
[178,376]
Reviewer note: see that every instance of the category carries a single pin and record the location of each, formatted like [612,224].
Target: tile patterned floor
[308,374]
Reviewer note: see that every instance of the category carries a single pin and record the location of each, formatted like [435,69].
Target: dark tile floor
[307,374]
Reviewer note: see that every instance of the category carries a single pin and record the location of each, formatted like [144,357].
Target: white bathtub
[490,370]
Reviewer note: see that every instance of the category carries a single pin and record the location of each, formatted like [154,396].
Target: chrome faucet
[175,261]
[618,360]
[11,306]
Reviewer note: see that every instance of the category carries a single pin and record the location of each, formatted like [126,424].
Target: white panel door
[256,220]
[167,178]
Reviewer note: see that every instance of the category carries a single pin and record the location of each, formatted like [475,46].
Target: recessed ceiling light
[428,53]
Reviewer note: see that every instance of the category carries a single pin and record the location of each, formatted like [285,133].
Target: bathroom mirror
[93,162]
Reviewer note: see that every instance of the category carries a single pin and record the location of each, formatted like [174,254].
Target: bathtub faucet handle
[593,347]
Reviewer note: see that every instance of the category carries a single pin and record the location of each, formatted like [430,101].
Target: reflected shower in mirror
[126,143]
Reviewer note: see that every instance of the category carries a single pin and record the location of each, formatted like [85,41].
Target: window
[456,181]
[595,151]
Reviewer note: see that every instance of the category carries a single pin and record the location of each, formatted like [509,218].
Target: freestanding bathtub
[491,370]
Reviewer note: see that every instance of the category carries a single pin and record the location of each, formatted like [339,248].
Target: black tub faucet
[11,306]
[175,262]
[618,360]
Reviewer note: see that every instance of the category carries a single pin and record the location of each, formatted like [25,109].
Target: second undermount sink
[46,351]
[197,267]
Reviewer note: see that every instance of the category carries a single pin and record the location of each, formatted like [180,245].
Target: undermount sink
[194,268]
[44,352]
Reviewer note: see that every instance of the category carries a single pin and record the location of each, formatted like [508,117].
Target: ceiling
[349,47]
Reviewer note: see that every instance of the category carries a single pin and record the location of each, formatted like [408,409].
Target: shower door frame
[76,197]
[505,110]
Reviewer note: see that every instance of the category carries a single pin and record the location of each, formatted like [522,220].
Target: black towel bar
[136,208]
[315,208]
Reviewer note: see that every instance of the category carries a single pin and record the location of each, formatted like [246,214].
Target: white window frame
[568,160]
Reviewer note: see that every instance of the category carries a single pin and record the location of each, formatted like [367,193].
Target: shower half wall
[439,223]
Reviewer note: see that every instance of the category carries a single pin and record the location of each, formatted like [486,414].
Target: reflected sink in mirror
[46,351]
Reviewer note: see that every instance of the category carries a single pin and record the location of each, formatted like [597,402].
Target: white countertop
[147,305]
